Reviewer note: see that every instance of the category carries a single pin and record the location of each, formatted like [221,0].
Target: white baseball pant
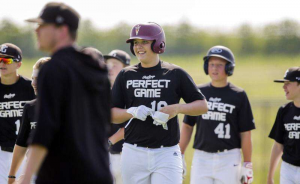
[216,168]
[289,174]
[5,163]
[115,167]
[151,166]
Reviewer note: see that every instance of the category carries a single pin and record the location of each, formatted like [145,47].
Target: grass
[255,74]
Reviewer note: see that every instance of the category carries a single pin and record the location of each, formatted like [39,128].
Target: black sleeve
[118,89]
[24,129]
[278,128]
[190,120]
[245,116]
[52,82]
[188,89]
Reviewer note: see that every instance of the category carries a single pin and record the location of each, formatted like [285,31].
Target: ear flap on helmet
[229,67]
[205,66]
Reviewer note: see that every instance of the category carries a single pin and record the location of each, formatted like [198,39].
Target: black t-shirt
[12,100]
[28,123]
[229,114]
[73,114]
[155,87]
[286,131]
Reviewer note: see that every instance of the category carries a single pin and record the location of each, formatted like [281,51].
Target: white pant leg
[115,165]
[215,168]
[5,162]
[134,165]
[289,174]
[166,165]
[228,168]
[202,168]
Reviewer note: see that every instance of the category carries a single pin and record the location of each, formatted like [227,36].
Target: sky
[221,14]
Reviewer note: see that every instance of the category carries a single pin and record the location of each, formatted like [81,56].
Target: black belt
[114,152]
[151,147]
[218,151]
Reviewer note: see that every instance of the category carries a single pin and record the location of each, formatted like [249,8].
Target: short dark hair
[72,32]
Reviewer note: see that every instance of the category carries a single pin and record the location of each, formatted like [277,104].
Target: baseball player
[224,129]
[28,124]
[69,144]
[147,94]
[286,132]
[116,60]
[15,91]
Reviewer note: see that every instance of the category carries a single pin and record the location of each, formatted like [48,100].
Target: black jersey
[286,131]
[28,123]
[229,114]
[12,100]
[73,114]
[155,87]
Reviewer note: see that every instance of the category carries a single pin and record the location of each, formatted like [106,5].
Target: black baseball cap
[59,14]
[9,50]
[292,75]
[119,55]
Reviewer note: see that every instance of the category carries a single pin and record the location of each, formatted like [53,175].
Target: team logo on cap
[59,19]
[137,29]
[216,50]
[3,48]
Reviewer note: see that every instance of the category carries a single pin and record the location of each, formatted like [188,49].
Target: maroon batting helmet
[149,31]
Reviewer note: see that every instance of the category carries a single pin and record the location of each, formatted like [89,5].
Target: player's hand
[247,173]
[183,166]
[11,180]
[172,110]
[160,118]
[141,112]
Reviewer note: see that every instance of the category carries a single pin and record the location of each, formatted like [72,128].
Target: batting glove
[183,166]
[141,112]
[160,118]
[247,173]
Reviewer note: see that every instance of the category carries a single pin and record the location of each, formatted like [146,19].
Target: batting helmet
[221,52]
[149,31]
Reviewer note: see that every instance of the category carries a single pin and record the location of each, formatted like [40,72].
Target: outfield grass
[255,74]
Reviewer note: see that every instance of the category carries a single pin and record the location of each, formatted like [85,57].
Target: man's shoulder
[25,81]
[203,86]
[235,88]
[170,66]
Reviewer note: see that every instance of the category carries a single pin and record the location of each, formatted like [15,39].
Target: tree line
[280,38]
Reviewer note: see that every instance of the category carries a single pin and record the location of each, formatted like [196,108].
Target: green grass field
[255,74]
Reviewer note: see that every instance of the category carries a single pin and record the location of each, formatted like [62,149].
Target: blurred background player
[116,60]
[15,91]
[69,144]
[224,129]
[28,124]
[286,131]
[152,87]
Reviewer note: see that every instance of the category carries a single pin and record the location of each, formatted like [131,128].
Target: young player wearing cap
[116,60]
[27,126]
[69,144]
[224,129]
[147,94]
[15,91]
[286,132]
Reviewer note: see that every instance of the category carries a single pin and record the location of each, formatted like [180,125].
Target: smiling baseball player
[148,93]
[224,129]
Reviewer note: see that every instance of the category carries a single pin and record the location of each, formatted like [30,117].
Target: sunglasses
[7,61]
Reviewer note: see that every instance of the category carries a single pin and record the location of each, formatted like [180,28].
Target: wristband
[10,176]
[109,143]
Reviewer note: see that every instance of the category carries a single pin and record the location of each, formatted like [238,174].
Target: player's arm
[276,154]
[194,108]
[36,156]
[185,136]
[119,135]
[18,156]
[246,144]
[120,115]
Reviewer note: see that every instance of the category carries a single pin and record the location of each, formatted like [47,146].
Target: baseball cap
[59,14]
[11,51]
[292,75]
[119,55]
